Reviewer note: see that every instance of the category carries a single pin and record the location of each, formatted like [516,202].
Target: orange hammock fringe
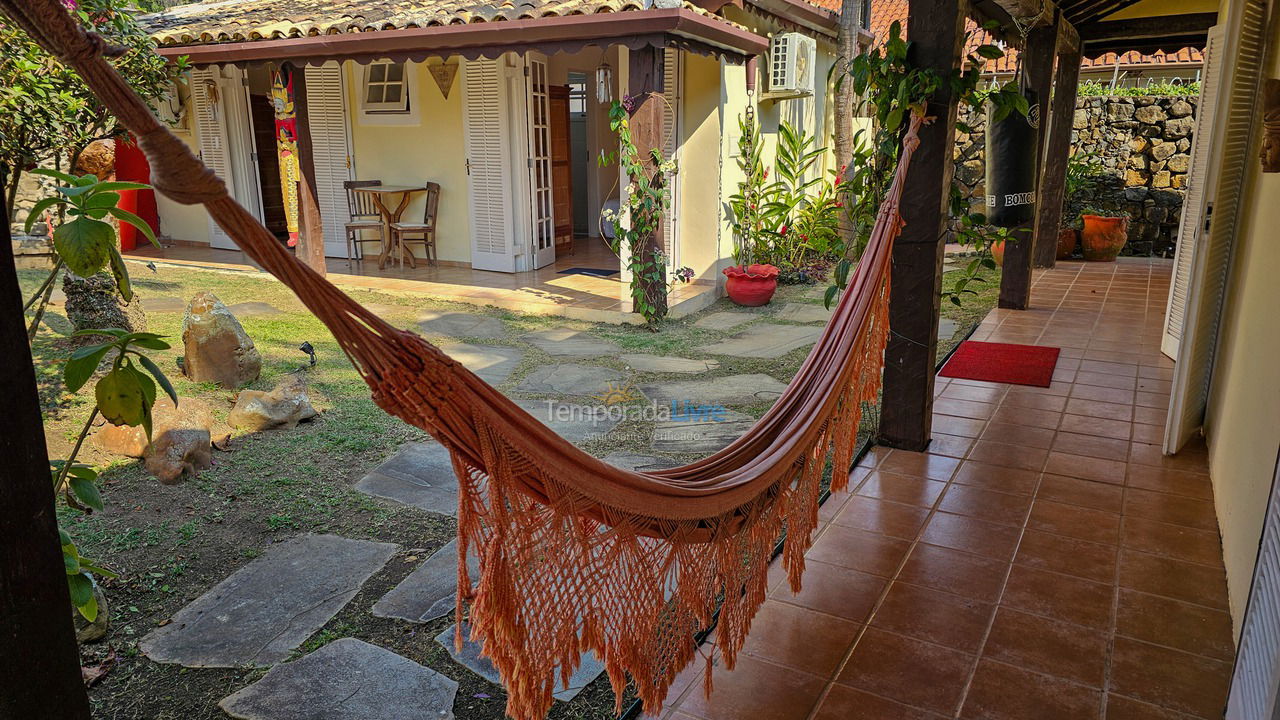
[576,556]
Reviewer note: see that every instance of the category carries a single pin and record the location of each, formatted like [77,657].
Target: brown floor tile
[1201,584]
[1091,446]
[950,445]
[1122,382]
[1175,541]
[964,408]
[1033,417]
[798,638]
[1176,624]
[1084,493]
[972,393]
[901,488]
[834,590]
[1110,368]
[973,536]
[1081,523]
[1120,707]
[890,518]
[1004,692]
[909,671]
[952,620]
[1151,400]
[1060,597]
[1173,509]
[1103,394]
[995,477]
[922,465]
[1046,551]
[1018,435]
[846,703]
[1170,678]
[1116,429]
[1151,454]
[859,550]
[964,427]
[954,571]
[755,689]
[1178,482]
[1007,455]
[1097,409]
[1047,646]
[1150,415]
[997,507]
[1086,468]
[1021,397]
[836,502]
[1152,434]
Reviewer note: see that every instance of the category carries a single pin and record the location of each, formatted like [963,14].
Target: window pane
[377,72]
[392,94]
[374,94]
[395,72]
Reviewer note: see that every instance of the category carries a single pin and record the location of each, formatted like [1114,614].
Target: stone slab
[470,658]
[729,390]
[803,313]
[701,437]
[347,679]
[419,474]
[567,342]
[662,364]
[430,591]
[571,379]
[946,328]
[573,422]
[637,462]
[461,325]
[765,340]
[253,309]
[493,363]
[724,320]
[263,611]
[164,304]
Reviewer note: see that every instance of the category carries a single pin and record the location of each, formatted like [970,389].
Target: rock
[1163,150]
[431,591]
[98,159]
[1119,111]
[567,342]
[91,632]
[178,454]
[803,313]
[1135,177]
[1080,120]
[1139,144]
[1180,163]
[1160,179]
[493,363]
[94,302]
[189,414]
[724,320]
[216,347]
[460,324]
[638,463]
[419,474]
[1151,114]
[253,309]
[1179,128]
[1180,108]
[285,405]
[666,364]
[166,304]
[730,390]
[1178,181]
[1184,145]
[701,436]
[576,423]
[1136,194]
[573,379]
[1138,162]
[471,657]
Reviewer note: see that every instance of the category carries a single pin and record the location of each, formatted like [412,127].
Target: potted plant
[1104,233]
[1084,171]
[750,283]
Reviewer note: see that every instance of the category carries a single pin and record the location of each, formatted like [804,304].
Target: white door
[210,125]
[671,127]
[331,150]
[487,132]
[1255,685]
[542,222]
[240,146]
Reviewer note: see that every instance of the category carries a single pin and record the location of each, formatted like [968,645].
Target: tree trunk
[850,24]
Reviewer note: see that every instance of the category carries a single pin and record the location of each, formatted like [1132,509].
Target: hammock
[575,555]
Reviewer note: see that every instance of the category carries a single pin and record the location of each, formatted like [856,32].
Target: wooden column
[39,658]
[1037,63]
[310,248]
[1053,172]
[936,28]
[645,87]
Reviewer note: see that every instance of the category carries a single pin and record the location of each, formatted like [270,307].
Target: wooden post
[40,661]
[936,28]
[1037,63]
[1053,173]
[310,248]
[645,87]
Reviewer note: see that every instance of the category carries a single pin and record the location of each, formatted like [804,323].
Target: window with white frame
[386,88]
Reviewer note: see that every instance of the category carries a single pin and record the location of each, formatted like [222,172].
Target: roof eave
[802,13]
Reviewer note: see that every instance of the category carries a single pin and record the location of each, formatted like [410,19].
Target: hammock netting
[576,555]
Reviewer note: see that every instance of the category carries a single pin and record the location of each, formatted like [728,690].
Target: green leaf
[84,245]
[81,587]
[134,220]
[990,52]
[86,491]
[121,185]
[829,296]
[64,177]
[160,377]
[71,559]
[102,199]
[894,120]
[121,398]
[120,273]
[82,365]
[114,332]
[40,206]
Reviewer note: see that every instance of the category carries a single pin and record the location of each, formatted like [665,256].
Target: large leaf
[86,491]
[134,220]
[121,398]
[120,273]
[40,206]
[121,185]
[82,364]
[82,595]
[84,244]
[160,377]
[64,177]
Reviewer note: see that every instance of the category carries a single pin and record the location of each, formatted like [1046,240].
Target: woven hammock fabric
[576,556]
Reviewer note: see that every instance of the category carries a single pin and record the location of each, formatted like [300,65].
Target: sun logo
[616,394]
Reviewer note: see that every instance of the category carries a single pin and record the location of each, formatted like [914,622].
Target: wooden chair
[364,218]
[425,230]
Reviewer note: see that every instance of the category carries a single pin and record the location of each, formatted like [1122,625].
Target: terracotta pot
[1066,243]
[1103,237]
[752,285]
[997,252]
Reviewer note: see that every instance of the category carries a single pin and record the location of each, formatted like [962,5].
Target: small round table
[379,192]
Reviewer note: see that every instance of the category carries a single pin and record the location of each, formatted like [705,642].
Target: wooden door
[562,169]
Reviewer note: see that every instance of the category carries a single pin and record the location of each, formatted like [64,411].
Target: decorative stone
[263,611]
[430,591]
[567,342]
[189,414]
[347,679]
[731,390]
[419,474]
[1119,111]
[493,363]
[803,313]
[765,340]
[470,657]
[1180,163]
[94,302]
[576,423]
[1178,128]
[98,159]
[1160,179]
[460,325]
[1163,150]
[216,347]
[285,406]
[571,379]
[638,463]
[1149,114]
[1080,119]
[178,454]
[724,320]
[1180,108]
[662,364]
[703,436]
[946,328]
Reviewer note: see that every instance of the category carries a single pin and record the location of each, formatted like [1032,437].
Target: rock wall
[1143,144]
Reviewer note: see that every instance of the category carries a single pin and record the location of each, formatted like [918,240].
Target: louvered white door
[1199,188]
[1234,114]
[672,93]
[487,133]
[541,198]
[331,150]
[210,124]
[1255,685]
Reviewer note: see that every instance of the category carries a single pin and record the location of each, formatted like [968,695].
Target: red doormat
[1003,363]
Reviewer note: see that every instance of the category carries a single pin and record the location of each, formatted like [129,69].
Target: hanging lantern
[1011,165]
[604,83]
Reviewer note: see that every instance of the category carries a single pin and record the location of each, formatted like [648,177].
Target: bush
[1095,88]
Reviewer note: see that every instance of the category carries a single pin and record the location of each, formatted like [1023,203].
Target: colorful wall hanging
[287,146]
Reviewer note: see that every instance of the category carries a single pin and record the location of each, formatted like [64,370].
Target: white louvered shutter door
[1193,204]
[1254,686]
[327,121]
[672,92]
[210,126]
[487,134]
[1235,112]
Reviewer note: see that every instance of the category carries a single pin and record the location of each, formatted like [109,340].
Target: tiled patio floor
[539,292]
[1043,560]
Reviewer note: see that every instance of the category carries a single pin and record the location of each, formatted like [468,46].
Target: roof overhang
[804,14]
[634,29]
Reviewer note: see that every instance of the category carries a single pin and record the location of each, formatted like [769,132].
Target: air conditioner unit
[792,57]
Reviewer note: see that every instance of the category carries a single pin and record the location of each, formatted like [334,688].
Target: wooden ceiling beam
[1149,28]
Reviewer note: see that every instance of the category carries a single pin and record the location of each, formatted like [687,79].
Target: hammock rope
[576,555]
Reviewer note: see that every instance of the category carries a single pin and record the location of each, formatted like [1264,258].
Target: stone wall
[1143,144]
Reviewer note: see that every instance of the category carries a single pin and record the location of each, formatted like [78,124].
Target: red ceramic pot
[752,285]
[1103,237]
[1066,243]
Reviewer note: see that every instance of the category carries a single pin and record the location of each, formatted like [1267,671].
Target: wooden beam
[645,86]
[1053,171]
[906,411]
[310,248]
[40,662]
[1039,12]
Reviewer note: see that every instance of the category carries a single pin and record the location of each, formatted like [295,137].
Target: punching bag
[1011,166]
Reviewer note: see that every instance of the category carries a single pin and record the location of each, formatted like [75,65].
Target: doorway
[579,151]
[262,118]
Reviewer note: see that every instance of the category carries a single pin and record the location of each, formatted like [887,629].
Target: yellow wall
[699,184]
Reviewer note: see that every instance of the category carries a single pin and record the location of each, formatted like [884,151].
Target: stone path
[659,363]
[253,309]
[724,320]
[264,610]
[460,325]
[765,340]
[430,591]
[571,379]
[567,342]
[164,304]
[803,313]
[946,328]
[637,462]
[470,657]
[493,363]
[702,437]
[347,679]
[575,423]
[729,390]
[419,474]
